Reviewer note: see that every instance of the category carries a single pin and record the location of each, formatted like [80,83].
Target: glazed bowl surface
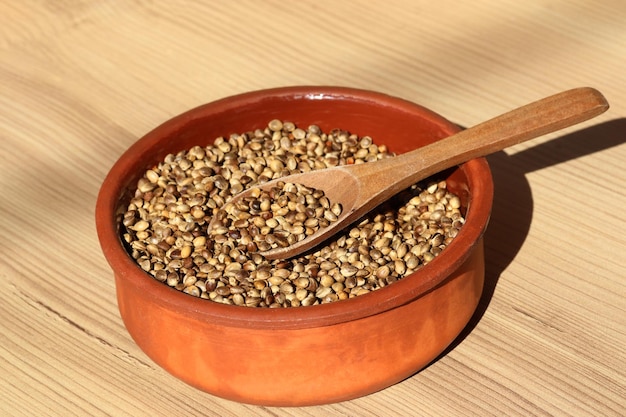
[300,355]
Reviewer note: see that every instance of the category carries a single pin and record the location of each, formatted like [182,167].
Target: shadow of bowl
[512,210]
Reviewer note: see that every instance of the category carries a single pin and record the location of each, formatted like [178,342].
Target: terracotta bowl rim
[399,293]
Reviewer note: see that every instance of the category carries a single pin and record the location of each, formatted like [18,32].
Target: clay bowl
[300,355]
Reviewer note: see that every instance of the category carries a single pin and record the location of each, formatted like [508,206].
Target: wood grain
[81,80]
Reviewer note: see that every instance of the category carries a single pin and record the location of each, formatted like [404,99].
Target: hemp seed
[165,223]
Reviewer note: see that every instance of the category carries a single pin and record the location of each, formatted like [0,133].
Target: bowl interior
[399,124]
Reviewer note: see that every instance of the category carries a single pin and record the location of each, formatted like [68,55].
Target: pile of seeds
[285,214]
[166,222]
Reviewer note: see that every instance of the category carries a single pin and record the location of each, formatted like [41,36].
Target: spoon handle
[527,122]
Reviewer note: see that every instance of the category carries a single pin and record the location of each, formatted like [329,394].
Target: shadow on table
[513,203]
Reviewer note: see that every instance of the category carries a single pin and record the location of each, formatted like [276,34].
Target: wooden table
[80,81]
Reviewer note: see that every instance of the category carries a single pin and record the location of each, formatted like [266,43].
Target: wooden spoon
[360,188]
